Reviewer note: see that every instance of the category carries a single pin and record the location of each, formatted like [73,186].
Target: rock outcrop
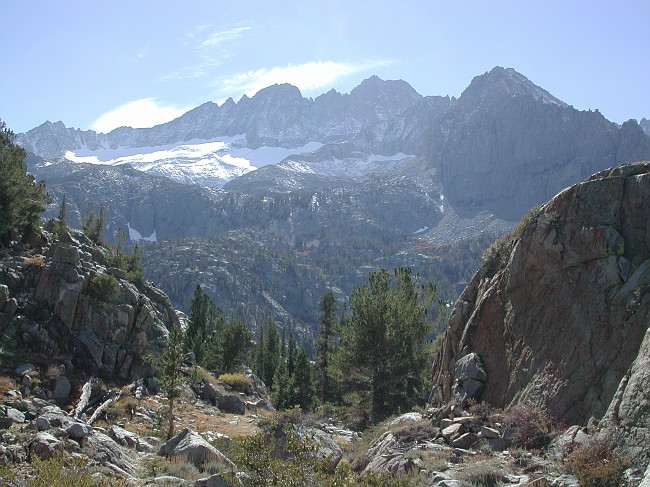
[560,313]
[68,305]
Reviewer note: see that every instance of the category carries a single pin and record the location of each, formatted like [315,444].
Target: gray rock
[43,424]
[77,431]
[105,450]
[470,378]
[64,253]
[45,446]
[627,421]
[209,392]
[189,446]
[10,307]
[448,483]
[553,320]
[56,416]
[15,415]
[62,388]
[489,433]
[129,439]
[326,448]
[24,369]
[229,403]
[167,480]
[465,441]
[570,438]
[450,433]
[215,480]
[385,456]
[4,295]
[646,478]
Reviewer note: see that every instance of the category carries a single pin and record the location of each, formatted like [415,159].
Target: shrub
[238,382]
[106,286]
[7,384]
[532,425]
[481,410]
[93,225]
[595,466]
[497,254]
[123,407]
[486,474]
[525,222]
[67,472]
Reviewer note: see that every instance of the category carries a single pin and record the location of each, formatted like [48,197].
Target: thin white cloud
[217,38]
[145,112]
[197,30]
[208,50]
[143,52]
[307,76]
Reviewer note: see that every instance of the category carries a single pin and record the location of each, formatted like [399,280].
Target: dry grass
[595,465]
[37,260]
[487,472]
[533,426]
[199,419]
[6,384]
[238,382]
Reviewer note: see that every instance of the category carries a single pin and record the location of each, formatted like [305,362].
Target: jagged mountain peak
[284,90]
[375,87]
[505,82]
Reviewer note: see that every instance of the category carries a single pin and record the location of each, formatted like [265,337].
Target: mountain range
[378,176]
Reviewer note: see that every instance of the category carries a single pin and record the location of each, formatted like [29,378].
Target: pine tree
[93,225]
[328,308]
[302,380]
[291,355]
[22,200]
[382,343]
[60,226]
[235,344]
[168,365]
[271,355]
[260,355]
[203,332]
[282,397]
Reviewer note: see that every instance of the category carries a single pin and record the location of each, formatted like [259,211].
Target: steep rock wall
[561,324]
[55,305]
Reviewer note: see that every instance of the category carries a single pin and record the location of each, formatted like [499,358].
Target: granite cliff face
[560,317]
[503,146]
[65,304]
[507,145]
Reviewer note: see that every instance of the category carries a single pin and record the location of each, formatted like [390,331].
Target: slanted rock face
[67,311]
[563,321]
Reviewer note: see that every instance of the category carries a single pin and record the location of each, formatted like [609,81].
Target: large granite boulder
[84,312]
[188,446]
[560,312]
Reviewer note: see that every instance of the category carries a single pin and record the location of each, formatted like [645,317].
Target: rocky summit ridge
[503,136]
[558,314]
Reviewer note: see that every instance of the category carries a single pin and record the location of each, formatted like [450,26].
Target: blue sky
[101,64]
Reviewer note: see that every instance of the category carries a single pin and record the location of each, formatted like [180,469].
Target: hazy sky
[101,64]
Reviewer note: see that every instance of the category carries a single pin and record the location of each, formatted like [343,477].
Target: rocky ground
[116,436]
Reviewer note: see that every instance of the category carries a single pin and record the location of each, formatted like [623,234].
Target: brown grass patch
[7,384]
[37,260]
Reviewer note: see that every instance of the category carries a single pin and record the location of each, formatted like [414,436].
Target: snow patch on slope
[211,162]
[136,236]
[353,166]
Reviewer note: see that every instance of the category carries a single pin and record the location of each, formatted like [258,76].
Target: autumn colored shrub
[595,465]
